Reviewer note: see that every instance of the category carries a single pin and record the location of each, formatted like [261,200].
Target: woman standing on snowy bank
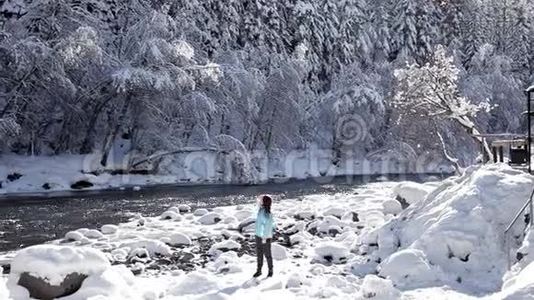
[264,234]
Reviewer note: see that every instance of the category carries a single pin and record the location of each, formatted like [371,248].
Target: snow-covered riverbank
[447,244]
[38,174]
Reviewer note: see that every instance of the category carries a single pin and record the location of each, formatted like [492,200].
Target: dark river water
[33,219]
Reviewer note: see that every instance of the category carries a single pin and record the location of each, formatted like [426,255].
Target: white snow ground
[448,244]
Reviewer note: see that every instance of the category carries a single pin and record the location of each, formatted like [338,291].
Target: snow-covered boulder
[391,206]
[243,214]
[377,288]
[305,215]
[153,247]
[184,208]
[210,218]
[173,209]
[296,280]
[331,252]
[200,212]
[120,254]
[93,234]
[194,283]
[407,267]
[412,192]
[278,251]
[227,263]
[361,266]
[327,224]
[74,236]
[140,253]
[350,216]
[230,220]
[224,246]
[117,282]
[179,239]
[301,238]
[109,229]
[171,215]
[49,271]
[335,211]
[457,229]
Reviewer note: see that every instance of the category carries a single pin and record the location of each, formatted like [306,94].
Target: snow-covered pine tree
[404,24]
[521,50]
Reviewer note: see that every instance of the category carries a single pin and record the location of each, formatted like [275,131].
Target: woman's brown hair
[266,202]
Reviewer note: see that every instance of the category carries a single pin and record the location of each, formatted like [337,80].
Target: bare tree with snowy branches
[432,90]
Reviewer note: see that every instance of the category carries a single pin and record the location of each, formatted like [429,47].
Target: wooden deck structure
[514,149]
[507,147]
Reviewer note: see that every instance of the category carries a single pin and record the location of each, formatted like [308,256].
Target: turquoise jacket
[264,224]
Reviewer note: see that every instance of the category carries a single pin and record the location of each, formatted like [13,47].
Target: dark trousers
[261,250]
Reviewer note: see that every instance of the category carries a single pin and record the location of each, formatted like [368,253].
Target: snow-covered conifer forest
[274,76]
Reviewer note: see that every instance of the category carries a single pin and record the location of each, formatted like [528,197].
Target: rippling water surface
[34,219]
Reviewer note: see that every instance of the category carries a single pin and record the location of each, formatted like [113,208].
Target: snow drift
[454,236]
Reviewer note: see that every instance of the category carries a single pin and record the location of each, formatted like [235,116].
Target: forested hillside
[272,75]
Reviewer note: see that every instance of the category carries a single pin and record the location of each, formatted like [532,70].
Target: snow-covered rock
[109,229]
[335,211]
[278,251]
[224,246]
[120,254]
[194,284]
[331,252]
[412,192]
[153,247]
[93,234]
[230,220]
[140,253]
[171,215]
[53,263]
[377,288]
[179,239]
[74,236]
[184,208]
[306,215]
[210,218]
[301,238]
[407,267]
[296,280]
[391,206]
[227,263]
[116,282]
[328,223]
[200,212]
[243,214]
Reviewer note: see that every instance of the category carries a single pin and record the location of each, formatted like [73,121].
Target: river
[34,219]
